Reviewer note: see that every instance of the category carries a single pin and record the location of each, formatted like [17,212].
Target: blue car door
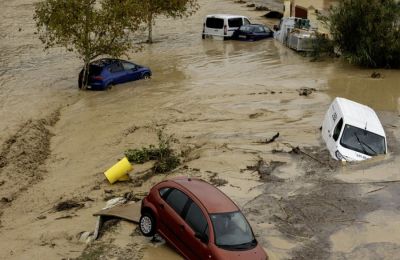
[132,72]
[118,73]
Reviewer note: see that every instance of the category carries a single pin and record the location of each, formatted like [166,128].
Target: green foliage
[142,155]
[367,32]
[88,28]
[322,47]
[164,156]
[171,8]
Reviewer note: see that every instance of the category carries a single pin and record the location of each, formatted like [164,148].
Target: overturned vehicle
[352,131]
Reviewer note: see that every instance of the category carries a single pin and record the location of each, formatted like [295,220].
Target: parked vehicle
[199,220]
[252,32]
[352,131]
[222,26]
[105,73]
[296,33]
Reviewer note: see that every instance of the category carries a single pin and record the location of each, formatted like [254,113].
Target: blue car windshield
[232,231]
[363,141]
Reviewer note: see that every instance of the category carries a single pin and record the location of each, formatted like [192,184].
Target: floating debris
[67,205]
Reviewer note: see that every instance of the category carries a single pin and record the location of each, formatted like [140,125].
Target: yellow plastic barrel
[119,171]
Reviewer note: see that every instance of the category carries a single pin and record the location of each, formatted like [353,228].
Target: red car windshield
[232,231]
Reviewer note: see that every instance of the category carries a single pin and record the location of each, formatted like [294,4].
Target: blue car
[252,32]
[105,73]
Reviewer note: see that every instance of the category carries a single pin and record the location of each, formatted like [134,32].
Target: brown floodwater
[220,97]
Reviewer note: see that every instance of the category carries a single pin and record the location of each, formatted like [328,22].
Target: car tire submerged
[147,224]
[146,76]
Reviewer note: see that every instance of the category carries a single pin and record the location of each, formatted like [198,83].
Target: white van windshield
[215,23]
[363,141]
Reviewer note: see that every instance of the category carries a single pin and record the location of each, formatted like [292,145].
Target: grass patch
[164,156]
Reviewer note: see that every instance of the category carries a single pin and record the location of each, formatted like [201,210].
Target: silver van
[222,26]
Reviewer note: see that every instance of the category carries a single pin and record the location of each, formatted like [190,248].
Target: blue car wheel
[146,76]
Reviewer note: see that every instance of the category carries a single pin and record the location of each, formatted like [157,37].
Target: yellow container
[124,178]
[118,171]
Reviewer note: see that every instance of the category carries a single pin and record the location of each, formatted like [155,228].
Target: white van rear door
[214,26]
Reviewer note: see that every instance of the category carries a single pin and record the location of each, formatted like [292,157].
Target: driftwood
[297,150]
[268,141]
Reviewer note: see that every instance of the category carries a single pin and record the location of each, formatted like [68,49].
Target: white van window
[215,23]
[363,141]
[337,130]
[235,22]
[246,21]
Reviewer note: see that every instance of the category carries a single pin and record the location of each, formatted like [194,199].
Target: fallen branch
[380,188]
[268,141]
[297,150]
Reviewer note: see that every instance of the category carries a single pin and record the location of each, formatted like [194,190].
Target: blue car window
[128,66]
[116,67]
[246,29]
[259,29]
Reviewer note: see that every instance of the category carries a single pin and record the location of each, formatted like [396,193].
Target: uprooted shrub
[164,156]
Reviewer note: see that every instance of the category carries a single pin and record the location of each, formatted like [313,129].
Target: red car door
[172,226]
[196,232]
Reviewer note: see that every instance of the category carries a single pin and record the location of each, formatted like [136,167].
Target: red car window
[164,192]
[196,220]
[177,200]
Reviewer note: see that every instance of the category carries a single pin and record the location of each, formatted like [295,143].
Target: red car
[199,220]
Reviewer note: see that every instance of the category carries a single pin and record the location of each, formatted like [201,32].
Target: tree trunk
[150,27]
[84,79]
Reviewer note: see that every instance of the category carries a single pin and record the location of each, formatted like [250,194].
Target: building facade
[308,9]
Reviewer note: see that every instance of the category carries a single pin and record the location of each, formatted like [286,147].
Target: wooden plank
[129,211]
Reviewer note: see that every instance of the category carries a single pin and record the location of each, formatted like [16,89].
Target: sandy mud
[222,101]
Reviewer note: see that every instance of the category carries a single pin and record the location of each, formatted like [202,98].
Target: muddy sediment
[23,155]
[219,99]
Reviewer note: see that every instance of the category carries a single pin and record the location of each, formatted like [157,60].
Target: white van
[352,131]
[222,26]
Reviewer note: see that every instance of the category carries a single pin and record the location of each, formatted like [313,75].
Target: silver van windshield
[362,141]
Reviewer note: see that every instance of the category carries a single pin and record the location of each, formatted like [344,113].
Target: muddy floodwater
[221,100]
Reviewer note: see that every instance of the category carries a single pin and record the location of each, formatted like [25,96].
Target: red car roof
[214,200]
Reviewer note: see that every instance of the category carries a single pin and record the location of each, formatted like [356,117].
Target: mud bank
[23,156]
[220,99]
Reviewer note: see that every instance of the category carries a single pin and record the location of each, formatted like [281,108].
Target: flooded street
[219,99]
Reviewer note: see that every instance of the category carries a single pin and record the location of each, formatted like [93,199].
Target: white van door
[234,23]
[214,26]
